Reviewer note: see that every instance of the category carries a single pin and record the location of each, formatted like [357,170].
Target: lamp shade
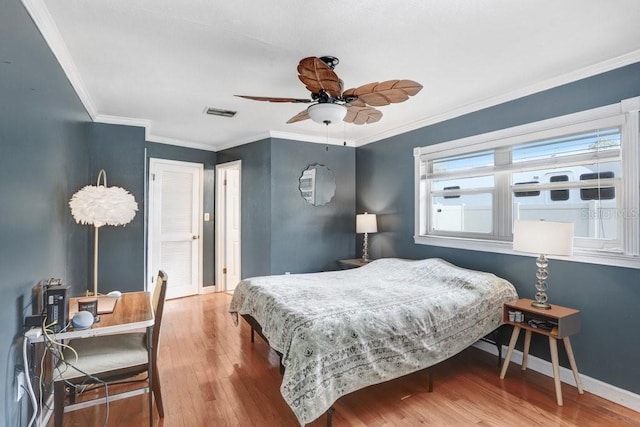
[327,112]
[102,205]
[366,223]
[543,237]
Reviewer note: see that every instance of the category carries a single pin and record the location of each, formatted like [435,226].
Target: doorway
[228,221]
[175,225]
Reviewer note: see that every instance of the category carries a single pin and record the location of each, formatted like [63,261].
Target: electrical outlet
[20,381]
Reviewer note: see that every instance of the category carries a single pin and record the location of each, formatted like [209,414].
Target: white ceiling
[160,63]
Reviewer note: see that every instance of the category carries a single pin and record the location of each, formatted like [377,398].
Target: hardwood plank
[212,375]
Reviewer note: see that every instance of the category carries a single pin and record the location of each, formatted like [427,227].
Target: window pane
[593,218]
[559,195]
[531,193]
[466,161]
[470,213]
[601,140]
[591,221]
[598,192]
[463,183]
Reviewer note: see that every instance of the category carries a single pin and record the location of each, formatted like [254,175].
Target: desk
[133,312]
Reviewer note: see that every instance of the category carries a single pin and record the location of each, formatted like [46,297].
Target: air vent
[219,112]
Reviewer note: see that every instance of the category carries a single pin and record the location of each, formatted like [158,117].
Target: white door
[228,248]
[175,226]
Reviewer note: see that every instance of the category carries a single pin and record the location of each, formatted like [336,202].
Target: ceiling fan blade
[302,115]
[271,99]
[317,76]
[384,93]
[362,115]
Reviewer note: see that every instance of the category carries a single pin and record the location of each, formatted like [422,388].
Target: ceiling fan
[331,104]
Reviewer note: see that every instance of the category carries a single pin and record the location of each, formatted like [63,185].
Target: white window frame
[624,114]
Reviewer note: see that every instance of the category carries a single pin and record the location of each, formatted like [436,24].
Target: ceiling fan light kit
[331,104]
[327,113]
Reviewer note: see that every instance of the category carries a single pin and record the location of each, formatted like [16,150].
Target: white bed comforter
[341,331]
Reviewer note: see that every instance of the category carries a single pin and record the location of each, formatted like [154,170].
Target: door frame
[153,161]
[221,284]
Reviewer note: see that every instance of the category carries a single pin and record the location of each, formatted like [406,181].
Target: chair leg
[157,393]
[58,403]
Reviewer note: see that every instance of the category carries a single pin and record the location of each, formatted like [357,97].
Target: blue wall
[307,238]
[44,159]
[119,150]
[607,347]
[280,230]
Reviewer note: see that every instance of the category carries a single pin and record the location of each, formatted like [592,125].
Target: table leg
[512,344]
[150,372]
[525,350]
[553,346]
[572,362]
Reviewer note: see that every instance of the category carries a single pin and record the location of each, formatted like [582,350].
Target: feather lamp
[99,205]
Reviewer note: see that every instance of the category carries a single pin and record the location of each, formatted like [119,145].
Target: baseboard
[606,391]
[208,289]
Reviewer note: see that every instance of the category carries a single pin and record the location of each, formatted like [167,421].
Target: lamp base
[541,305]
[365,248]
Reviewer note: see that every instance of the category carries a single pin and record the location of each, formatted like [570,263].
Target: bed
[341,331]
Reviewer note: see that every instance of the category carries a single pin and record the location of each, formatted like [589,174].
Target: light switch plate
[207,216]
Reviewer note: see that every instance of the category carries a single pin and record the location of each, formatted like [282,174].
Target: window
[580,168]
[559,195]
[597,193]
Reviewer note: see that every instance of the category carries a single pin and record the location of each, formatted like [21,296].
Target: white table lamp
[366,223]
[543,238]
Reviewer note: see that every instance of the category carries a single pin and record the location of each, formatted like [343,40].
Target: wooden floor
[212,375]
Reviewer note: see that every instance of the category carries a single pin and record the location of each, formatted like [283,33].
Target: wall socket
[21,383]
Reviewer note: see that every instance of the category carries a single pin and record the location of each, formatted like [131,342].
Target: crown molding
[311,138]
[148,134]
[592,70]
[178,142]
[125,121]
[49,30]
[242,141]
[286,135]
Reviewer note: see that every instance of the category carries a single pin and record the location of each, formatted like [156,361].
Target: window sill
[579,255]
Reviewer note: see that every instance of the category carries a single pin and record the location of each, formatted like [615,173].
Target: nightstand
[556,323]
[352,263]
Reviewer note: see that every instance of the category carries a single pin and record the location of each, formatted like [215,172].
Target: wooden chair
[112,358]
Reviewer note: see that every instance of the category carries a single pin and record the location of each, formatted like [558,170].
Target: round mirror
[317,185]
